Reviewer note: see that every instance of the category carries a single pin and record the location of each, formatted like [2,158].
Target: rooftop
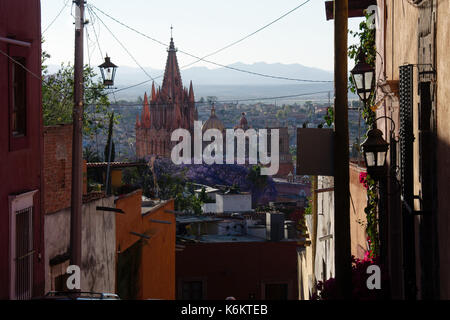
[208,190]
[194,219]
[148,205]
[115,164]
[230,238]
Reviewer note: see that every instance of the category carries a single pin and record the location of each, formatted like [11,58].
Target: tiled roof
[115,164]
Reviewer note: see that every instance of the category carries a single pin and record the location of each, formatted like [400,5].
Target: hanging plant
[366,44]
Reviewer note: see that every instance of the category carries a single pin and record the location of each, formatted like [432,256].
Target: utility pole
[77,151]
[341,153]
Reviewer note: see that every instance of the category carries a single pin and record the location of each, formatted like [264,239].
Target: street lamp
[375,149]
[363,76]
[108,70]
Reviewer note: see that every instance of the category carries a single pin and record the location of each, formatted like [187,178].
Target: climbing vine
[366,44]
[366,36]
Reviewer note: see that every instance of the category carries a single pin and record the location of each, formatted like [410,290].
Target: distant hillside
[229,84]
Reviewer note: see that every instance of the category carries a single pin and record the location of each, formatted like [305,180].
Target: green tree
[57,97]
[202,196]
[280,114]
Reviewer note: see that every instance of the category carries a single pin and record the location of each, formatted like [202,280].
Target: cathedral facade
[168,108]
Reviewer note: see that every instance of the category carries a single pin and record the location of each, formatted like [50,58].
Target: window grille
[23,261]
[406,133]
[407,179]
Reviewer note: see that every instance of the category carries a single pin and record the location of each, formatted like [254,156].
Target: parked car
[60,295]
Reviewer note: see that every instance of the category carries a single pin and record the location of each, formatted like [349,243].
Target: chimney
[275,226]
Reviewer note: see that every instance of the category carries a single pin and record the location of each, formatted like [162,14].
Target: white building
[229,203]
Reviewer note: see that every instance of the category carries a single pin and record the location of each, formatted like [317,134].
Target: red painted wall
[20,170]
[238,269]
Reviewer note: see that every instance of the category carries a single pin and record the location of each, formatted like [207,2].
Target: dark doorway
[128,272]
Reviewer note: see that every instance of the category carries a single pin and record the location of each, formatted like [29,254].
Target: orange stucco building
[145,243]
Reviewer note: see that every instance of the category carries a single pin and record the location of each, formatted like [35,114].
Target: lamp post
[375,150]
[108,71]
[374,147]
[363,76]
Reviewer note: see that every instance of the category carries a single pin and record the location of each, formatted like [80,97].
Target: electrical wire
[124,47]
[57,16]
[204,60]
[240,100]
[21,65]
[38,77]
[95,32]
[249,35]
[270,98]
[88,48]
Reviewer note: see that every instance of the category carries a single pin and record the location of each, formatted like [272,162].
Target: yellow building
[412,71]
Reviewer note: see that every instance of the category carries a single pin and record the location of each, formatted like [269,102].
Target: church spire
[172,85]
[153,98]
[145,99]
[145,121]
[138,123]
[191,93]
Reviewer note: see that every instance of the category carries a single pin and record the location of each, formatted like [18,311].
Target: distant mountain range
[230,84]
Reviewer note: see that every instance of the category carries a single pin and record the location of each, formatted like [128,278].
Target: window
[18,98]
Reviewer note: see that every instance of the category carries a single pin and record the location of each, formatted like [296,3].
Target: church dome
[213,122]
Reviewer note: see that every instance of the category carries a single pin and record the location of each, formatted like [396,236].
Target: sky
[199,27]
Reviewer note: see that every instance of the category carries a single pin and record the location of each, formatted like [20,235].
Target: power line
[21,65]
[88,47]
[269,98]
[207,61]
[123,46]
[251,34]
[132,86]
[57,16]
[38,77]
[95,33]
[240,100]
